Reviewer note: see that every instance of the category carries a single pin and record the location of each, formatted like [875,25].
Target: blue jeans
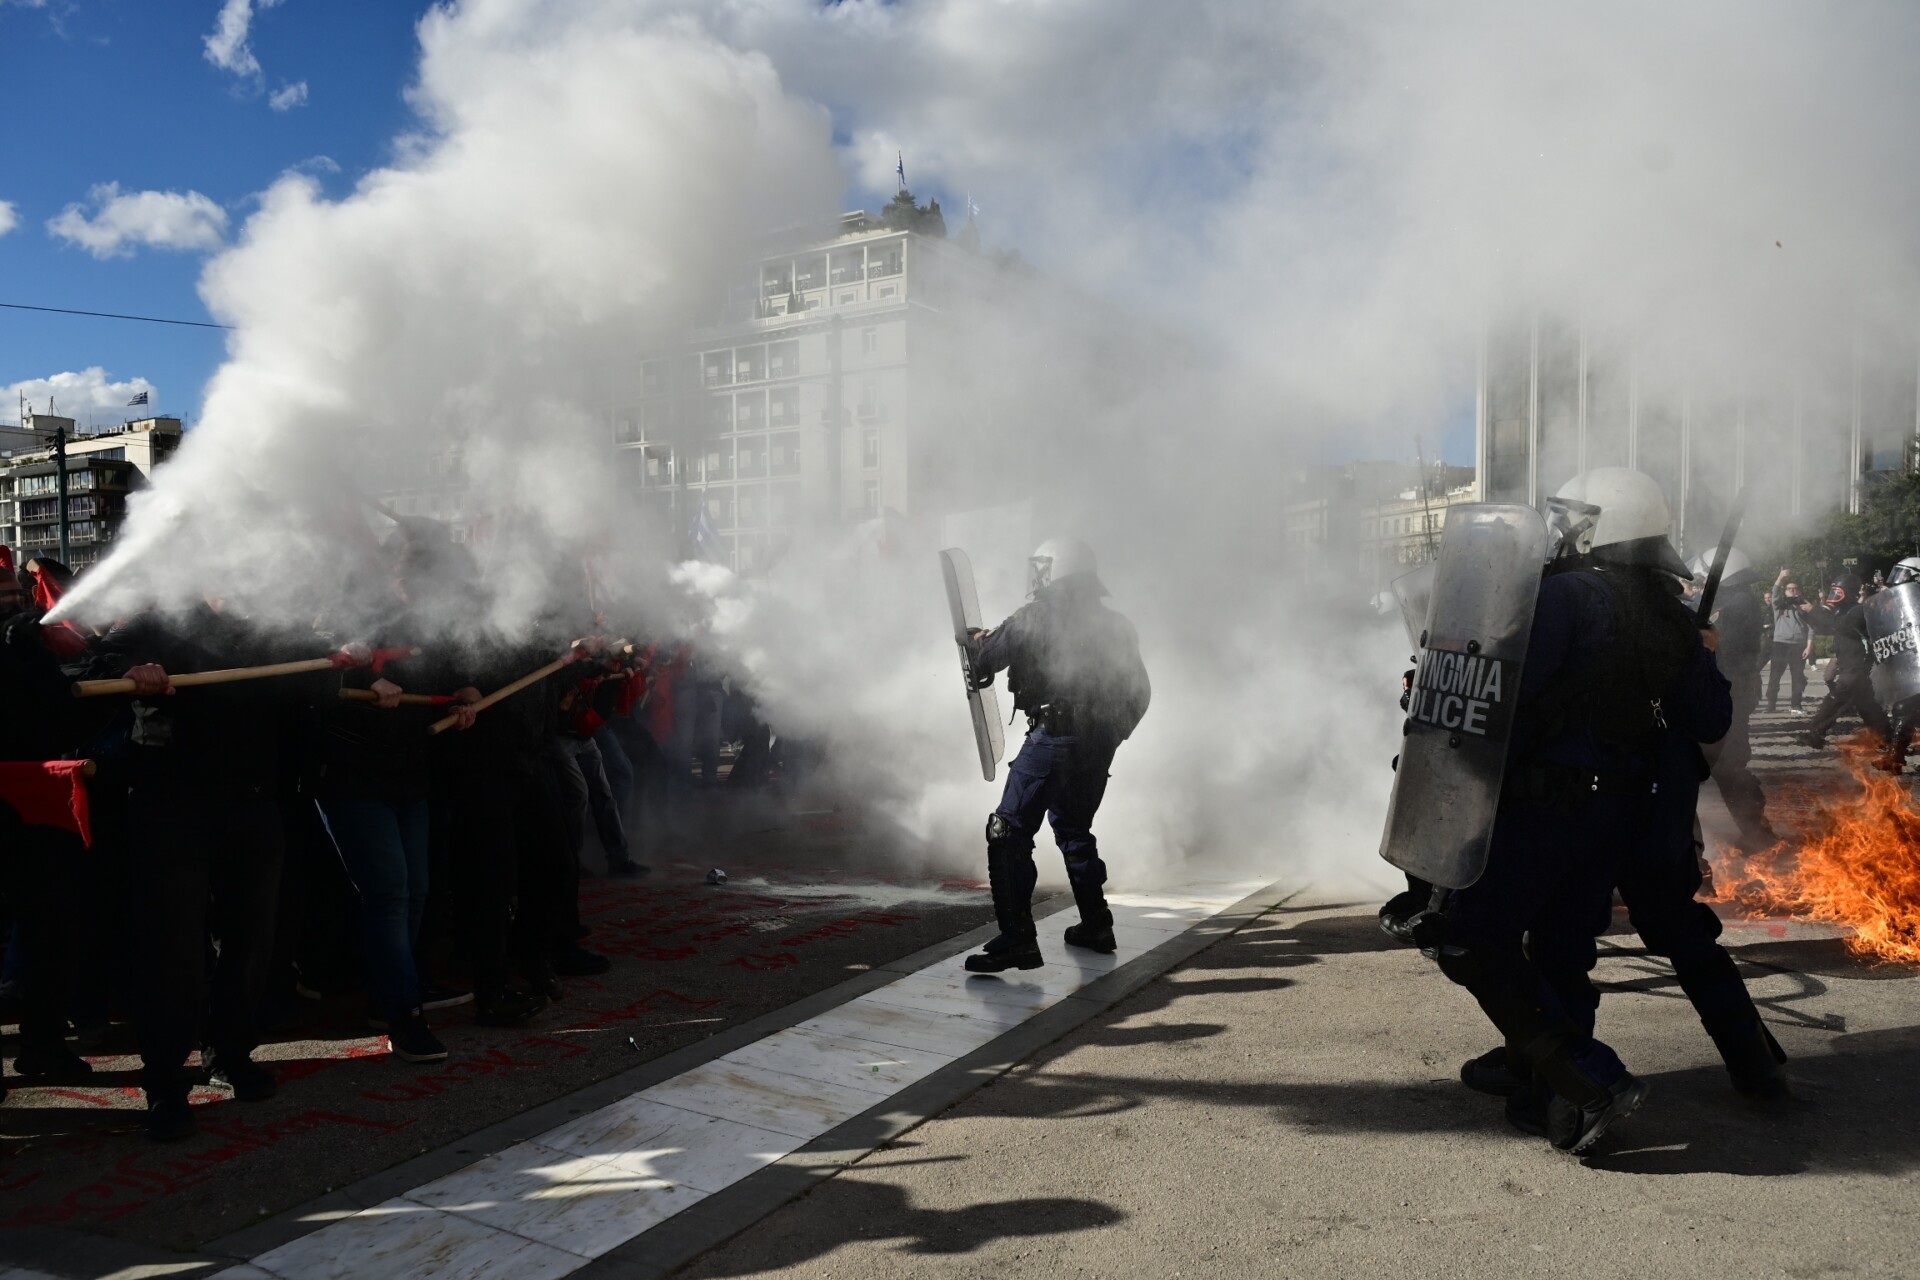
[1063,781]
[384,847]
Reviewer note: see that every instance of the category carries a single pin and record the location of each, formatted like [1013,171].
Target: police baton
[1719,565]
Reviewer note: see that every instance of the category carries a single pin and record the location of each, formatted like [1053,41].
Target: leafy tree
[1886,529]
[902,214]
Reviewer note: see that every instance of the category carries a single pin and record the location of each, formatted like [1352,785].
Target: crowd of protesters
[192,860]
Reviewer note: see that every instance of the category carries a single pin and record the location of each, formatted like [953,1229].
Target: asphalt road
[1286,1104]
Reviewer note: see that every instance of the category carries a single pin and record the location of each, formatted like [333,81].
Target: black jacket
[221,736]
[1067,648]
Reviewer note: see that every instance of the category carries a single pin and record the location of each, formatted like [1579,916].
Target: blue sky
[122,91]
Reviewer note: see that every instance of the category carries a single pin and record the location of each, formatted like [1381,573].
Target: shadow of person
[1322,936]
[1112,1037]
[856,1208]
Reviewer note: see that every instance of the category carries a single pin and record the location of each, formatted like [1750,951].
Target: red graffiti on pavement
[142,1177]
[845,925]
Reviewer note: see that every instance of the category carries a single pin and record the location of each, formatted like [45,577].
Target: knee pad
[1000,830]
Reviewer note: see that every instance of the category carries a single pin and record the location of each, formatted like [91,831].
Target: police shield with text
[1612,662]
[1073,665]
[1893,637]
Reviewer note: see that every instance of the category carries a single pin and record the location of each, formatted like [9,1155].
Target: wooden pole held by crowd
[406,699]
[574,653]
[190,679]
[505,691]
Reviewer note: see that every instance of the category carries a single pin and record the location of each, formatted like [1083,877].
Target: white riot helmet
[1905,571]
[1634,525]
[1738,573]
[1058,559]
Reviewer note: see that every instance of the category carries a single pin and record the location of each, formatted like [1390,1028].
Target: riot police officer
[1906,711]
[1742,625]
[1613,661]
[1073,665]
[1851,688]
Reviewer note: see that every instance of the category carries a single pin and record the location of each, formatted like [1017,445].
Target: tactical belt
[1547,783]
[1055,720]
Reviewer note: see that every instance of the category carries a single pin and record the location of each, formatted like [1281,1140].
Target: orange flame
[1857,864]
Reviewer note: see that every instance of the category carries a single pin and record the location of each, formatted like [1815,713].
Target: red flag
[49,580]
[49,793]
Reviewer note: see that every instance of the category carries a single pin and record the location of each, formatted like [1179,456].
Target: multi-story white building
[101,469]
[821,398]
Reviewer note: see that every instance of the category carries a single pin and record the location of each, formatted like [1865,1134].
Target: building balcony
[885,267]
[717,377]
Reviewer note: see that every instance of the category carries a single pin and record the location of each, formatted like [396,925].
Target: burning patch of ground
[1853,860]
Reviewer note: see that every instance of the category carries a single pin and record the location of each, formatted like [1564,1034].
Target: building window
[870,449]
[872,498]
[869,399]
[783,454]
[869,341]
[783,407]
[886,291]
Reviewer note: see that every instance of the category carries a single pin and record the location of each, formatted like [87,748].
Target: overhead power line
[114,315]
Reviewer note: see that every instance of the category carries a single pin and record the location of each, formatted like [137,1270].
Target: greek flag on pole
[139,399]
[900,167]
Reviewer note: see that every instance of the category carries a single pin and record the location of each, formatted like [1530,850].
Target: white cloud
[288,96]
[79,394]
[161,219]
[9,219]
[227,45]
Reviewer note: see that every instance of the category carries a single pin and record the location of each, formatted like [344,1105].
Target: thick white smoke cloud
[1303,209]
[579,185]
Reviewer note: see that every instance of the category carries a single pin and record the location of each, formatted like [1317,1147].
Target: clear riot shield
[1893,633]
[983,705]
[1414,592]
[1460,710]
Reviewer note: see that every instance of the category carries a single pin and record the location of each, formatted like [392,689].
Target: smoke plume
[1268,236]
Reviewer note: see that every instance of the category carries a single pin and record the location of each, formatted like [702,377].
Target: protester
[1792,640]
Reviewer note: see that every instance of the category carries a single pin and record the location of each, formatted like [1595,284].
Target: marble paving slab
[548,1206]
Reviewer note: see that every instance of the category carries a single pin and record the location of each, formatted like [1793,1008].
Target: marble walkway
[551,1205]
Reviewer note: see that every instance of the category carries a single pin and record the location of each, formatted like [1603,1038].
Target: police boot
[1582,1107]
[1403,910]
[1017,947]
[1495,1072]
[1095,930]
[1754,1060]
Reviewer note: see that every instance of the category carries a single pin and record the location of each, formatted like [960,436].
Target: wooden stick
[98,688]
[406,699]
[507,691]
